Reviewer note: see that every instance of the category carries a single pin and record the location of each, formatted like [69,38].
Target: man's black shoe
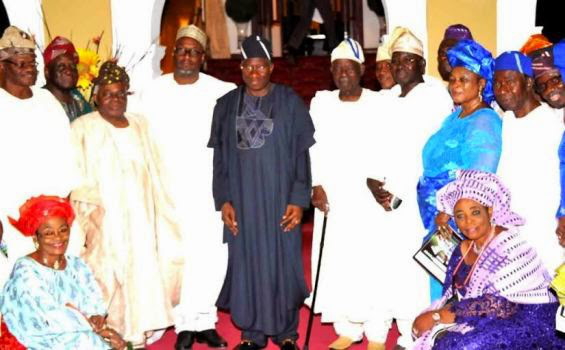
[247,345]
[289,344]
[185,339]
[211,338]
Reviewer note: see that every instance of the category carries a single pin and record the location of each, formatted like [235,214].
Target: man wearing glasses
[261,134]
[179,108]
[35,147]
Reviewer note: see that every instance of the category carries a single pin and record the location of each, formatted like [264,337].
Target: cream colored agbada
[132,242]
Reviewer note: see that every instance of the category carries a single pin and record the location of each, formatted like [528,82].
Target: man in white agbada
[531,134]
[179,107]
[406,122]
[133,242]
[354,292]
[35,146]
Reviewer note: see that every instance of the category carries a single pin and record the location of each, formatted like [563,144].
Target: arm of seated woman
[488,305]
[426,321]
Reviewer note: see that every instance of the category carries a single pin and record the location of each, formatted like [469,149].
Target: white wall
[410,14]
[27,16]
[136,36]
[371,27]
[515,22]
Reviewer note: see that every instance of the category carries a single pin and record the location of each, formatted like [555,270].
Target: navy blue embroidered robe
[261,165]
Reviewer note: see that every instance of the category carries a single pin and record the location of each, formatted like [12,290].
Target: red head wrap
[36,210]
[59,46]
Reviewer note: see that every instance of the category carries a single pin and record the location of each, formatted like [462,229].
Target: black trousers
[260,338]
[307,11]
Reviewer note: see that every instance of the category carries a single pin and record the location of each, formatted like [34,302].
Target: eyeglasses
[114,95]
[405,61]
[22,65]
[191,52]
[260,68]
[555,80]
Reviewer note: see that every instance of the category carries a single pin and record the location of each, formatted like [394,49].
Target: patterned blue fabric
[561,210]
[427,189]
[471,143]
[497,322]
[255,123]
[472,56]
[33,305]
[559,57]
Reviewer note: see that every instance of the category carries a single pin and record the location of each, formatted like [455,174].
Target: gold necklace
[56,265]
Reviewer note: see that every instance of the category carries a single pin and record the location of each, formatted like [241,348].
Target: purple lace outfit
[506,303]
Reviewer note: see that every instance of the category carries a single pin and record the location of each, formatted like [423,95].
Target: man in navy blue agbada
[261,134]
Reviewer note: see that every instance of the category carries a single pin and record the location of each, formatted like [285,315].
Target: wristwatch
[436,317]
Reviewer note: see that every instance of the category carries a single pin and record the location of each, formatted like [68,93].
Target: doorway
[176,14]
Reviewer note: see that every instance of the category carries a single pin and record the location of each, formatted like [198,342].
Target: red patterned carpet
[322,335]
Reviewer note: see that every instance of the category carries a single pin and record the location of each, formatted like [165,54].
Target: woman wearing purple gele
[495,284]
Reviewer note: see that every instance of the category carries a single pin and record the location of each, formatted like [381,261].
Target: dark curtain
[377,7]
[4,22]
[551,15]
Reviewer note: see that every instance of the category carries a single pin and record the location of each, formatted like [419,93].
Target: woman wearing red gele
[52,300]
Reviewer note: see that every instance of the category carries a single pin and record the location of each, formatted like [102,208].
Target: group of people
[139,216]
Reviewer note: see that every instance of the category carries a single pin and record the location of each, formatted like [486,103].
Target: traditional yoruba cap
[111,73]
[256,47]
[472,56]
[515,61]
[535,42]
[59,46]
[15,41]
[543,62]
[348,49]
[407,42]
[484,188]
[36,210]
[457,32]
[383,51]
[193,32]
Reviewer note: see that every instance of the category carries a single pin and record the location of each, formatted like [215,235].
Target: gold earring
[35,244]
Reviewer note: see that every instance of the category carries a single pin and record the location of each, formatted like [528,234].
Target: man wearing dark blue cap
[261,133]
[530,139]
[514,83]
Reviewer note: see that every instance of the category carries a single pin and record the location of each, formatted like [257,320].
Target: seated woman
[51,300]
[496,289]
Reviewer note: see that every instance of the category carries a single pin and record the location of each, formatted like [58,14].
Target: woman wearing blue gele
[469,138]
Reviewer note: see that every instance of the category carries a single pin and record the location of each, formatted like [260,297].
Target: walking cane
[311,319]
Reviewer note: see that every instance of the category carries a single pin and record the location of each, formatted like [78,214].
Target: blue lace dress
[470,143]
[496,322]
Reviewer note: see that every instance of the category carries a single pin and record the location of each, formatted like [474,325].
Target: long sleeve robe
[265,278]
[133,244]
[34,305]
